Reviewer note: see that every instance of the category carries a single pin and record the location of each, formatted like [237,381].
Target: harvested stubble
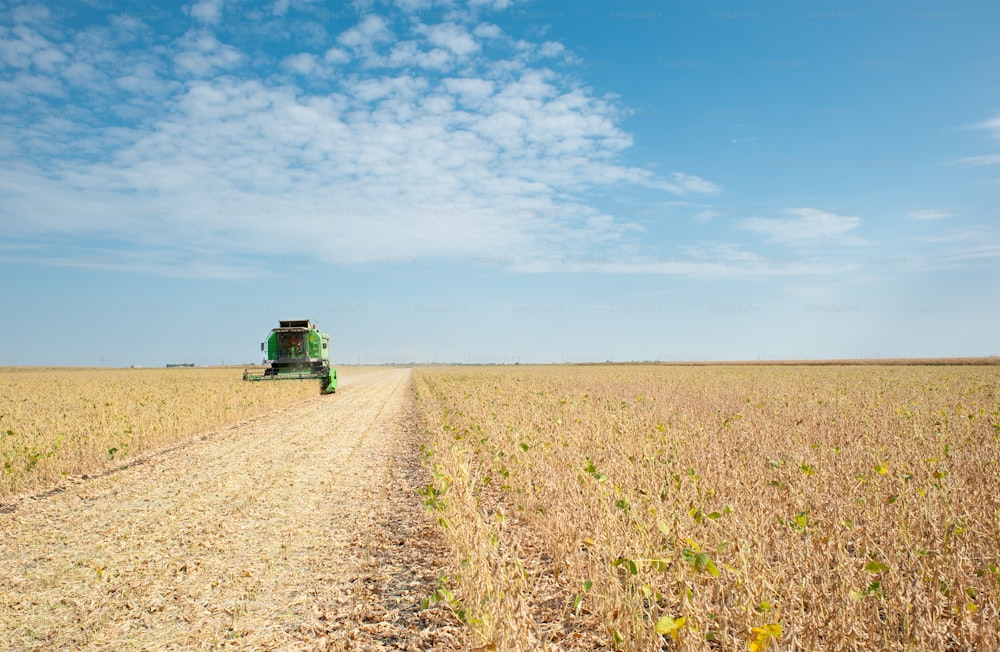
[697,508]
[59,422]
[298,531]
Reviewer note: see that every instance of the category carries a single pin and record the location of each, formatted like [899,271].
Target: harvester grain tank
[298,350]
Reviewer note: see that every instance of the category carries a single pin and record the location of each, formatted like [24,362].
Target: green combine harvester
[297,350]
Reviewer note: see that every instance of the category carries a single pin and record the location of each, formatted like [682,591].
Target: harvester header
[298,350]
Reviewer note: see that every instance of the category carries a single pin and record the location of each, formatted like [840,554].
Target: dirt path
[301,530]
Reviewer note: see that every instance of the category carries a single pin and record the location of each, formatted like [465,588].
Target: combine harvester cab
[297,350]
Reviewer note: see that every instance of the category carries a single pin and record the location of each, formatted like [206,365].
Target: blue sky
[499,181]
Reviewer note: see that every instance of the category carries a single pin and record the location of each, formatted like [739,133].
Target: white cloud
[991,125]
[930,214]
[808,226]
[452,36]
[403,87]
[695,184]
[207,11]
[487,31]
[19,44]
[492,4]
[302,63]
[336,55]
[82,74]
[48,59]
[409,54]
[371,31]
[498,157]
[976,161]
[718,261]
[470,91]
[201,54]
[971,245]
[413,6]
[551,49]
[966,235]
[25,83]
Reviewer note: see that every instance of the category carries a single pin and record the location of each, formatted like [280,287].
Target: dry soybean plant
[718,507]
[70,422]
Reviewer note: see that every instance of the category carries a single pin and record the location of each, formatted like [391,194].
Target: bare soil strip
[300,530]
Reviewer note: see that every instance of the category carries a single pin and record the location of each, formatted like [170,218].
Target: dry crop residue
[704,508]
[299,530]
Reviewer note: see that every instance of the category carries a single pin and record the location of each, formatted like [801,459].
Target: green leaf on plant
[628,564]
[875,567]
[669,626]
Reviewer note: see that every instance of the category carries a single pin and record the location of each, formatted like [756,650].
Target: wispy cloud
[689,183]
[976,245]
[718,261]
[393,138]
[991,125]
[977,161]
[807,226]
[928,214]
[202,55]
[207,11]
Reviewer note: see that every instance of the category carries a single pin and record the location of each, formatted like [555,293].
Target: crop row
[697,508]
[56,423]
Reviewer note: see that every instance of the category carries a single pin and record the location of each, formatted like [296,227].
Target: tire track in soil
[301,530]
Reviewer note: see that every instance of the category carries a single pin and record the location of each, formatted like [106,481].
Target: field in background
[697,508]
[58,422]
